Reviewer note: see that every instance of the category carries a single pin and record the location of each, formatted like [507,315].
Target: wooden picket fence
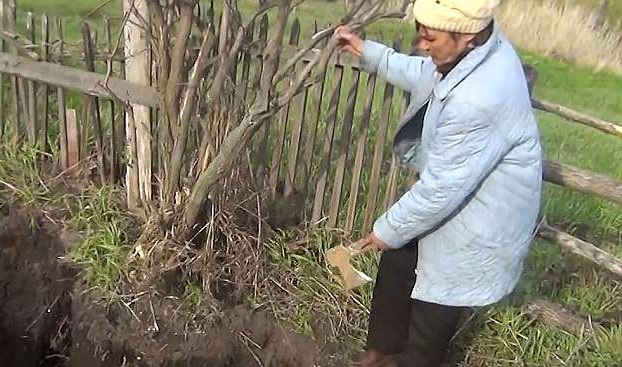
[329,145]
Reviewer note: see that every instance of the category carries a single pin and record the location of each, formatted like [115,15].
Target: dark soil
[35,296]
[48,319]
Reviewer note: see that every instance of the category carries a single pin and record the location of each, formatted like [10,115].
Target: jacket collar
[469,63]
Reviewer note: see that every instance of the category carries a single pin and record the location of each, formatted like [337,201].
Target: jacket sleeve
[465,149]
[401,70]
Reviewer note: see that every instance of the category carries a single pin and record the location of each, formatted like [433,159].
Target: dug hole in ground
[48,318]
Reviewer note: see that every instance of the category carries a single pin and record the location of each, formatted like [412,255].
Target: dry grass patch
[564,31]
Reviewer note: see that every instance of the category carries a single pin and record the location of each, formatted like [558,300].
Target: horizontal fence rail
[86,82]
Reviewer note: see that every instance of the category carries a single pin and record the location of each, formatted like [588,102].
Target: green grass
[501,336]
[94,213]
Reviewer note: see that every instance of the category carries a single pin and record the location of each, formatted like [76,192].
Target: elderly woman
[457,239]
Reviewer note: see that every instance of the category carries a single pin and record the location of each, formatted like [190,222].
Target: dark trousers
[417,333]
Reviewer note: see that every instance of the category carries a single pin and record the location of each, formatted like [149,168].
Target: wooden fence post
[138,130]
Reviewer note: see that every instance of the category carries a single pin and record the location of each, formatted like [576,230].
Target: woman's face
[445,48]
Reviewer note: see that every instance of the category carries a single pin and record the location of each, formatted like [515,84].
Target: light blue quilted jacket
[478,152]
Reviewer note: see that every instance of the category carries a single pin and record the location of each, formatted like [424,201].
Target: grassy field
[501,336]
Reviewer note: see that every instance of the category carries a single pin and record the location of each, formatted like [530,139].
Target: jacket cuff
[371,56]
[386,234]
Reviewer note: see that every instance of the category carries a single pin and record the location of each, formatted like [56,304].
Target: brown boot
[371,358]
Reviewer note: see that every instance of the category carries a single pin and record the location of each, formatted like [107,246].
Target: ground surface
[31,278]
[47,318]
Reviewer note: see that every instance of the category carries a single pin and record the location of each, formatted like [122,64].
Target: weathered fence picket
[73,141]
[378,158]
[394,171]
[344,147]
[62,105]
[31,87]
[114,130]
[264,133]
[360,154]
[45,89]
[300,101]
[10,18]
[92,111]
[279,146]
[331,121]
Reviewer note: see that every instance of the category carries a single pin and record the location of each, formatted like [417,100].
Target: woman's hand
[374,242]
[349,41]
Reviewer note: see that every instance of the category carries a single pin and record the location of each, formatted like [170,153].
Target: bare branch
[174,83]
[187,110]
[300,54]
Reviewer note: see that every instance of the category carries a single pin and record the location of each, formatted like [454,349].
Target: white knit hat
[461,16]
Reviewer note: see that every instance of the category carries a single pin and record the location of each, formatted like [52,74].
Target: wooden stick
[567,113]
[582,248]
[557,316]
[583,181]
[97,8]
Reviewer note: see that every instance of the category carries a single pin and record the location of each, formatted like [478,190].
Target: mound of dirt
[163,336]
[48,319]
